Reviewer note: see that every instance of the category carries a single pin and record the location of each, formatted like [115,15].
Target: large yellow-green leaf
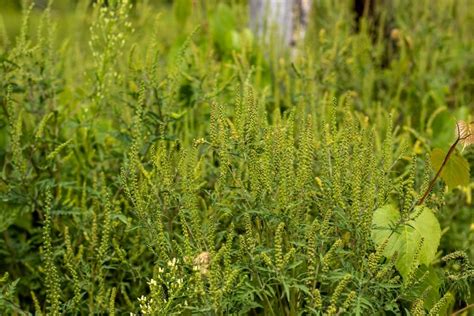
[456,170]
[406,239]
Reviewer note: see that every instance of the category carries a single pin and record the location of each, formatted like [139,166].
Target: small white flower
[172,263]
[152,282]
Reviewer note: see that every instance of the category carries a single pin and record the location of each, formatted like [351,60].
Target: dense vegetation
[158,158]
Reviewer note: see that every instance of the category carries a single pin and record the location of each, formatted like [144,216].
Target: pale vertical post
[283,20]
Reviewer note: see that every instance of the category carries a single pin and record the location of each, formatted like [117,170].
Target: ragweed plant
[164,162]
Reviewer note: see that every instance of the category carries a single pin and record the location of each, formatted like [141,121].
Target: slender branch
[462,310]
[433,181]
[446,158]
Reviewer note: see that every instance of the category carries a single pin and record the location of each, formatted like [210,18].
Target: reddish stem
[433,181]
[446,158]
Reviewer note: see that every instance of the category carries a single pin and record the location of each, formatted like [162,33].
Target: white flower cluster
[145,305]
[168,277]
[172,263]
[152,283]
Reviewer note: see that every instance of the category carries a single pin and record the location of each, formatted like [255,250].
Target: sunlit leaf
[456,170]
[177,115]
[406,239]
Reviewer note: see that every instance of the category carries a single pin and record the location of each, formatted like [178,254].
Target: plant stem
[433,181]
[462,310]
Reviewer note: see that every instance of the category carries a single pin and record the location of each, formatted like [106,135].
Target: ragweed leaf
[406,239]
[456,170]
[8,215]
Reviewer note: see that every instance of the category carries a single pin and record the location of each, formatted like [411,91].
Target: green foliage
[456,170]
[7,294]
[182,11]
[224,28]
[164,162]
[415,241]
[442,124]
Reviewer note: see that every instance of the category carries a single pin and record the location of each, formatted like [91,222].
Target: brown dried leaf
[465,132]
[202,261]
